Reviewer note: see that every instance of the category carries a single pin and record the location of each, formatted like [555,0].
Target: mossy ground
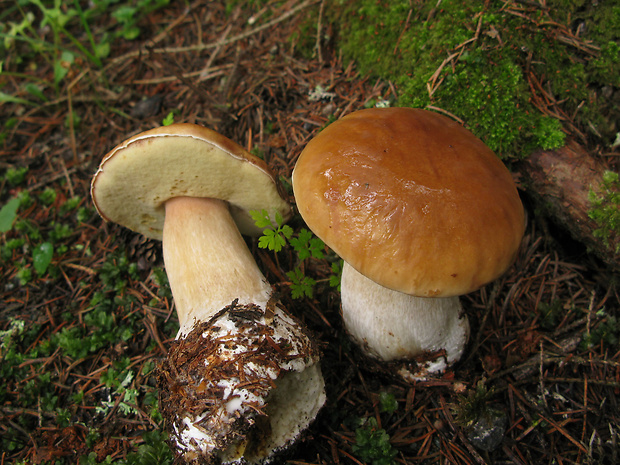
[78,341]
[518,74]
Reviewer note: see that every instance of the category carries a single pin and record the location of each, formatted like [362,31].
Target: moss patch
[606,209]
[517,75]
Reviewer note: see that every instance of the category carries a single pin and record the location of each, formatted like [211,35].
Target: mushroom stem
[240,382]
[391,325]
[207,261]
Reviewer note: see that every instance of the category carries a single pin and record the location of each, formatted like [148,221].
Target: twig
[71,130]
[432,84]
[445,112]
[207,67]
[488,307]
[64,167]
[51,179]
[319,26]
[214,72]
[400,36]
[459,431]
[564,433]
[199,47]
[541,373]
[172,62]
[228,83]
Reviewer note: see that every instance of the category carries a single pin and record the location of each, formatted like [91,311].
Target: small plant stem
[92,57]
[36,44]
[95,56]
[207,261]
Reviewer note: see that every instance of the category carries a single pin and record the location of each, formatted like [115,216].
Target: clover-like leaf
[42,257]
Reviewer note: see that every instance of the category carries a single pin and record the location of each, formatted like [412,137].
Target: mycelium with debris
[227,375]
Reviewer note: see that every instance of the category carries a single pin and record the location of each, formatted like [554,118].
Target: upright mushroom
[421,211]
[242,380]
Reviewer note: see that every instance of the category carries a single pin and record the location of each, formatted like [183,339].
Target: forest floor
[86,314]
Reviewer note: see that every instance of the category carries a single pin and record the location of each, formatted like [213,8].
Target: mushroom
[421,211]
[242,380]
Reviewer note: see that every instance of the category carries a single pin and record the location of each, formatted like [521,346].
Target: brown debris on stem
[221,386]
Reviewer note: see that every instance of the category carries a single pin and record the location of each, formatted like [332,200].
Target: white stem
[391,325]
[207,261]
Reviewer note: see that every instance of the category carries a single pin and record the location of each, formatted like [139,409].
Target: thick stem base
[390,325]
[240,387]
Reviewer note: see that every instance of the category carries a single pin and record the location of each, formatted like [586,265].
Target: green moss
[511,76]
[551,314]
[474,404]
[605,333]
[372,444]
[605,67]
[605,210]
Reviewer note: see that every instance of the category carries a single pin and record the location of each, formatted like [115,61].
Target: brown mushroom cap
[410,199]
[138,176]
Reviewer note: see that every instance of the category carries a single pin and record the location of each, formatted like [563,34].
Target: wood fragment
[559,182]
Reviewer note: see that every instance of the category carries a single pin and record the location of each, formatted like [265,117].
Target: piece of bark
[559,181]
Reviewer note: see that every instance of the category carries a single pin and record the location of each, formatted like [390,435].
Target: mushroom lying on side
[242,380]
[421,211]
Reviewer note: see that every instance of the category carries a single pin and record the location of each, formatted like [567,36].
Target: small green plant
[334,279]
[63,47]
[372,444]
[15,176]
[606,333]
[258,152]
[472,405]
[551,314]
[160,278]
[169,119]
[605,208]
[38,226]
[274,235]
[100,326]
[23,275]
[119,379]
[277,236]
[84,214]
[69,205]
[116,270]
[57,17]
[307,245]
[42,257]
[9,122]
[129,14]
[39,242]
[387,403]
[31,389]
[154,450]
[8,214]
[301,285]
[15,329]
[151,402]
[6,251]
